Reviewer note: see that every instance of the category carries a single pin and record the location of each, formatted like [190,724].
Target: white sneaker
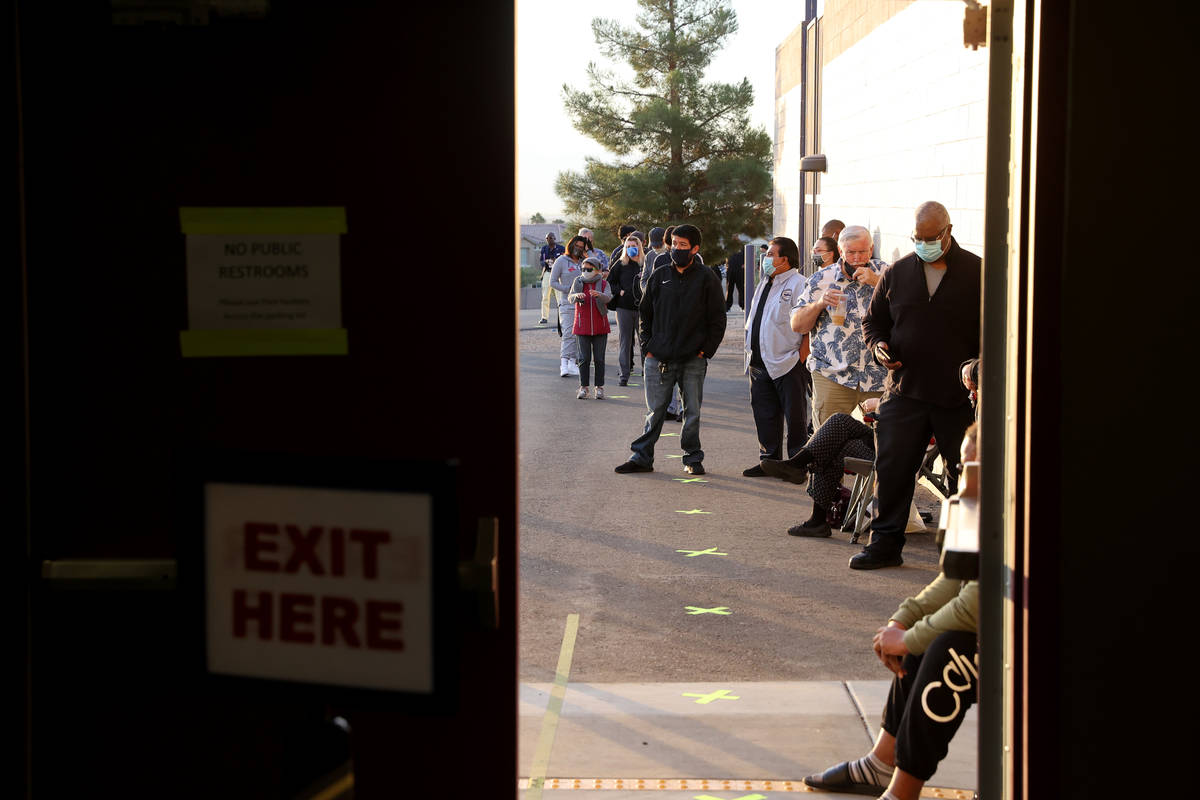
[599,392]
[583,393]
[572,367]
[563,370]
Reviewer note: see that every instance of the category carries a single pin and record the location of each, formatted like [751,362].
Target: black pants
[734,279]
[774,402]
[841,436]
[926,707]
[591,348]
[902,430]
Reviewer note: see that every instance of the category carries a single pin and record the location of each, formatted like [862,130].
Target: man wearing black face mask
[681,325]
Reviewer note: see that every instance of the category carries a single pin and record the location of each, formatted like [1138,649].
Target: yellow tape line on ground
[541,756]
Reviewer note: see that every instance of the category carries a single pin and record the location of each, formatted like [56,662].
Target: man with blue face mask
[922,324]
[772,357]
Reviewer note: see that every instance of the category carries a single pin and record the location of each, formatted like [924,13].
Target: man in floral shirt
[831,307]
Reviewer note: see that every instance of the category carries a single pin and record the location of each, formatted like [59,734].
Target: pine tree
[685,150]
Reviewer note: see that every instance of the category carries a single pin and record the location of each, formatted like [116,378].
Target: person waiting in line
[831,309]
[622,233]
[923,322]
[562,275]
[550,252]
[590,293]
[824,252]
[839,437]
[735,279]
[658,247]
[663,259]
[833,229]
[930,645]
[681,325]
[627,293]
[778,382]
[592,251]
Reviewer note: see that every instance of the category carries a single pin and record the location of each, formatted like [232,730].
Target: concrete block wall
[904,112]
[788,132]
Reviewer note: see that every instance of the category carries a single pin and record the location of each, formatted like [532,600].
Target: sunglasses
[589,269]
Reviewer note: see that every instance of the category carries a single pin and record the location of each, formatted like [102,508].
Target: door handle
[481,575]
[110,573]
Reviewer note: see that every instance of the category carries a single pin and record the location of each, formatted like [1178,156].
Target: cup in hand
[837,302]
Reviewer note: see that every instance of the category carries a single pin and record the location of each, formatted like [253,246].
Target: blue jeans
[659,385]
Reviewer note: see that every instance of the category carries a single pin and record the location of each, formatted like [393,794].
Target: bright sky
[546,142]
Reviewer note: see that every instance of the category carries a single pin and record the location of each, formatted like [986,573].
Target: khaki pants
[548,295]
[828,398]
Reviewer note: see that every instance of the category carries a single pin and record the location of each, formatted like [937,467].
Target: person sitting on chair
[839,437]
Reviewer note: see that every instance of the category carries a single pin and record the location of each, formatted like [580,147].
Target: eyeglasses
[919,240]
[588,269]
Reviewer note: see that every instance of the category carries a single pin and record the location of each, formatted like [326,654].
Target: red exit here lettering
[302,618]
[288,548]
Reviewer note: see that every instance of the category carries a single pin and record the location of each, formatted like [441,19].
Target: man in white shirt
[777,377]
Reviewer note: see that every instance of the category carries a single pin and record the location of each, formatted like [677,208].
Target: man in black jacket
[923,323]
[681,325]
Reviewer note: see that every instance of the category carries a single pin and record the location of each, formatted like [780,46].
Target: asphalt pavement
[684,587]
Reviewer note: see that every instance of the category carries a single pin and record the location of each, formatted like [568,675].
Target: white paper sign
[322,586]
[241,281]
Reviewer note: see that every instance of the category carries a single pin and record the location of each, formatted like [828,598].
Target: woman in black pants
[841,436]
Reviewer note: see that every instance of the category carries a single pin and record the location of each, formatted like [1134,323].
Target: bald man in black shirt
[923,323]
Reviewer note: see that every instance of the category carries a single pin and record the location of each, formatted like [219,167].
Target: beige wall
[903,120]
[844,23]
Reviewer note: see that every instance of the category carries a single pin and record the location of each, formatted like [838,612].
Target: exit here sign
[326,586]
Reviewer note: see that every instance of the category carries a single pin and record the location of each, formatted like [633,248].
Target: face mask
[818,260]
[928,251]
[681,258]
[768,266]
[590,275]
[577,251]
[631,252]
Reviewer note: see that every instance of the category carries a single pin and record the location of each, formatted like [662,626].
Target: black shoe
[632,466]
[542,321]
[837,779]
[623,382]
[784,470]
[754,472]
[693,469]
[868,560]
[811,529]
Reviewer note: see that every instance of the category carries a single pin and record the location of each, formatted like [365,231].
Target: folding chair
[861,493]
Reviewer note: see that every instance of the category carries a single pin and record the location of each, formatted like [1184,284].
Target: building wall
[844,23]
[903,120]
[904,113]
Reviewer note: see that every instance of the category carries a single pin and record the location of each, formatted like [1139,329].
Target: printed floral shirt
[600,254]
[839,352]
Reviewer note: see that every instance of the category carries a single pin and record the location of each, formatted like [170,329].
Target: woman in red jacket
[591,293]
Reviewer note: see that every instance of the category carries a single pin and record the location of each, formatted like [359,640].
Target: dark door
[130,111]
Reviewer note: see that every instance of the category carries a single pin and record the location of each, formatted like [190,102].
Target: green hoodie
[943,605]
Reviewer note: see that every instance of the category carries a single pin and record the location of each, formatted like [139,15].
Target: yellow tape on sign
[195,220]
[286,342]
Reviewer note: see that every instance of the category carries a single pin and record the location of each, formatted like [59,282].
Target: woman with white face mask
[627,293]
[590,293]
